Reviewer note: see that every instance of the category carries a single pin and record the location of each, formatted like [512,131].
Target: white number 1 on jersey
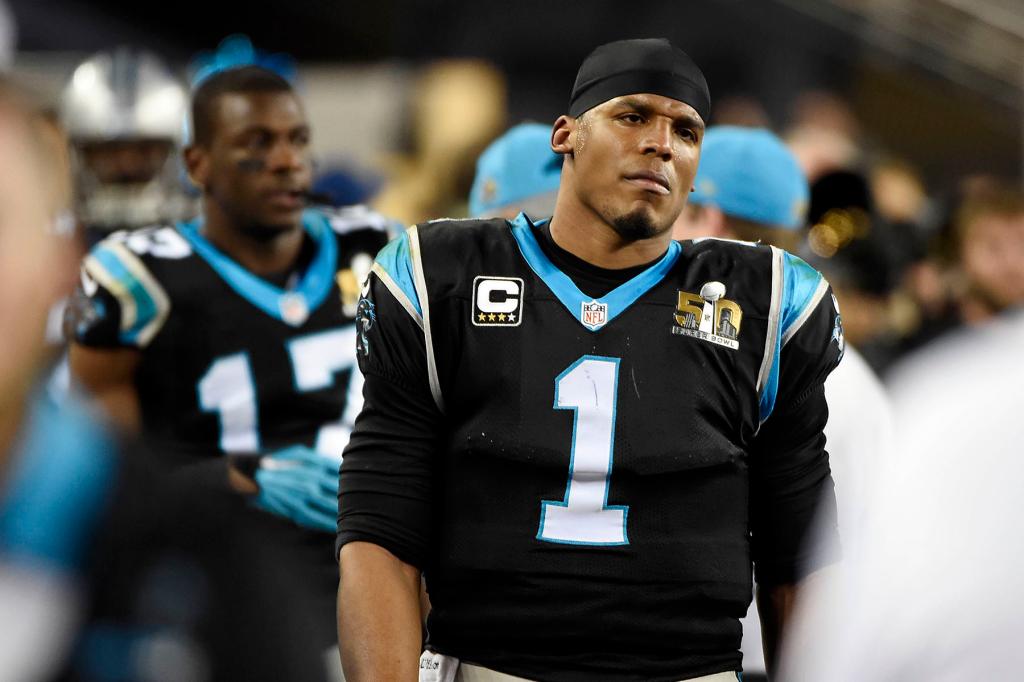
[589,387]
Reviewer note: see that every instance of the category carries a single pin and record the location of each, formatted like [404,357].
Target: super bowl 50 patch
[709,316]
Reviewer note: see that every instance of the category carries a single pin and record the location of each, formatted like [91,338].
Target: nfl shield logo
[294,310]
[594,315]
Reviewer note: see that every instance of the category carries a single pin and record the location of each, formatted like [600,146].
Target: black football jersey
[231,363]
[600,472]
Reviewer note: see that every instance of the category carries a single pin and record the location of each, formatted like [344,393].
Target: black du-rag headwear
[630,67]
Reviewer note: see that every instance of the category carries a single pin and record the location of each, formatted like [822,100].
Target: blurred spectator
[459,107]
[823,134]
[749,186]
[36,266]
[125,115]
[899,192]
[740,110]
[932,589]
[974,268]
[339,185]
[848,242]
[989,228]
[517,172]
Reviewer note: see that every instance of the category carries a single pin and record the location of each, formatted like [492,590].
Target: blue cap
[518,170]
[749,173]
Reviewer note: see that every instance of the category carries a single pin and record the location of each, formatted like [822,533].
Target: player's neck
[258,256]
[583,233]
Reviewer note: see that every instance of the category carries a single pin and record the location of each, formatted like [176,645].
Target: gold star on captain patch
[481,317]
[501,317]
[490,317]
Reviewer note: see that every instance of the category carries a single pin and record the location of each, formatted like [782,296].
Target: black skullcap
[630,67]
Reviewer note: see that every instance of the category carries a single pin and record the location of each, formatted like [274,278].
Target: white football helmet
[124,113]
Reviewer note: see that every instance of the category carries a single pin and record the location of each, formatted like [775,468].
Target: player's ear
[197,164]
[562,138]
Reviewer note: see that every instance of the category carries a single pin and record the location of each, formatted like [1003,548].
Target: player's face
[634,160]
[259,165]
[126,161]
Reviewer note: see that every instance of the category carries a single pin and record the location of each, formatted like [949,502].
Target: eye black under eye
[258,141]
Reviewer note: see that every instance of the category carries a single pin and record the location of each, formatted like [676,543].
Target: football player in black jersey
[582,433]
[233,334]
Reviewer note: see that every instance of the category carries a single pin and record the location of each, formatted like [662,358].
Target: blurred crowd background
[906,115]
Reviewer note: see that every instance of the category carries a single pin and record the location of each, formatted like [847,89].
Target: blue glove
[300,484]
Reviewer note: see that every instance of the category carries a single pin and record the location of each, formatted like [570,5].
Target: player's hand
[300,484]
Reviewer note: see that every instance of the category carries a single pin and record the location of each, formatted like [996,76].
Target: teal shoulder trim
[800,292]
[395,268]
[144,303]
[797,288]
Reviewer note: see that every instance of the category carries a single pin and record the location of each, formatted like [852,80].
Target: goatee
[635,226]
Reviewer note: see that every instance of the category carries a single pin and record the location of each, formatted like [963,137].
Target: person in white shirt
[932,589]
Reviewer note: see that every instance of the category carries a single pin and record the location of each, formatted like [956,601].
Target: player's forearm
[775,605]
[108,376]
[379,629]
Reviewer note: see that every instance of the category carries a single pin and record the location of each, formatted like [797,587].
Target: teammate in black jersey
[233,334]
[582,433]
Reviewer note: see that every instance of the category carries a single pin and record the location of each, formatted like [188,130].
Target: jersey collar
[291,306]
[565,290]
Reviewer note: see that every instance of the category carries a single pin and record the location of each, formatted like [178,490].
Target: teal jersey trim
[565,290]
[799,283]
[312,290]
[771,387]
[396,260]
[58,486]
[145,307]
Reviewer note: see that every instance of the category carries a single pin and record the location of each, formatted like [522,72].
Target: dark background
[919,102]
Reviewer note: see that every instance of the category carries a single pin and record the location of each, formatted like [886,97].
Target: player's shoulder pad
[459,236]
[155,242]
[803,288]
[398,266]
[733,250]
[797,290]
[799,286]
[122,264]
[754,259]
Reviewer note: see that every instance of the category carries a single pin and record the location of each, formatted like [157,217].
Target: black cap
[630,67]
[847,241]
